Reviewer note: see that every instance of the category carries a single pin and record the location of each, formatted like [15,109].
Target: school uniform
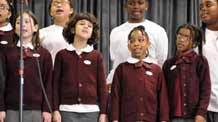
[33,98]
[138,91]
[189,85]
[79,81]
[6,37]
[2,78]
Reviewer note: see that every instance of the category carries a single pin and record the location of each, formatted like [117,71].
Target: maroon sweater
[138,93]
[192,73]
[8,37]
[2,77]
[33,97]
[79,79]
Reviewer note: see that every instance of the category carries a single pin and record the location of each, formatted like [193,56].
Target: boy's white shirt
[210,51]
[80,108]
[52,39]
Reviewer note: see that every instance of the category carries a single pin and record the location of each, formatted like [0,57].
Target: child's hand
[2,116]
[199,118]
[56,116]
[46,117]
[103,118]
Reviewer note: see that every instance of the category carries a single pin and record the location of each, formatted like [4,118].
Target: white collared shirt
[7,27]
[87,49]
[28,45]
[80,108]
[133,60]
[52,39]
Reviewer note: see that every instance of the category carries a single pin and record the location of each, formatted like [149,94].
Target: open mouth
[59,10]
[85,31]
[136,13]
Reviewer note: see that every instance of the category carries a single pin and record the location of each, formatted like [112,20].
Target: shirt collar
[87,49]
[187,58]
[7,27]
[28,45]
[133,60]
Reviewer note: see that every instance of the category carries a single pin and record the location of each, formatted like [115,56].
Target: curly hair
[69,36]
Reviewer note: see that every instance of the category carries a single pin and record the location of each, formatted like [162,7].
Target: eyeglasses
[4,7]
[183,37]
[62,2]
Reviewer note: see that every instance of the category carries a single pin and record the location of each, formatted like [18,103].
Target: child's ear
[73,30]
[194,45]
[149,43]
[71,11]
[129,45]
[36,27]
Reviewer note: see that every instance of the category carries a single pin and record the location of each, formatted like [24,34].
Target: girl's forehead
[184,30]
[25,17]
[137,33]
[135,0]
[208,1]
[85,20]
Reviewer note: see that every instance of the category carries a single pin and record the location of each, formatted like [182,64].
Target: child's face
[209,11]
[83,29]
[4,12]
[136,9]
[184,40]
[28,27]
[61,9]
[138,44]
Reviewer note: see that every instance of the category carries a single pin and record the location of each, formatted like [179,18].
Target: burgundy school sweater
[6,36]
[138,93]
[33,97]
[192,73]
[79,79]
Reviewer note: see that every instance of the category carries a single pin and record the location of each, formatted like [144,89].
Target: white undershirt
[210,51]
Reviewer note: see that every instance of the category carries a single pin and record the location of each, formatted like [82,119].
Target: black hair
[196,35]
[35,38]
[140,28]
[69,33]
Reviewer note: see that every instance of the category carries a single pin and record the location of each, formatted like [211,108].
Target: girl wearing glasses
[187,77]
[6,30]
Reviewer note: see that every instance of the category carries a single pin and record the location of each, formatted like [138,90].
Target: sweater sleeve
[47,78]
[2,83]
[102,89]
[205,86]
[56,78]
